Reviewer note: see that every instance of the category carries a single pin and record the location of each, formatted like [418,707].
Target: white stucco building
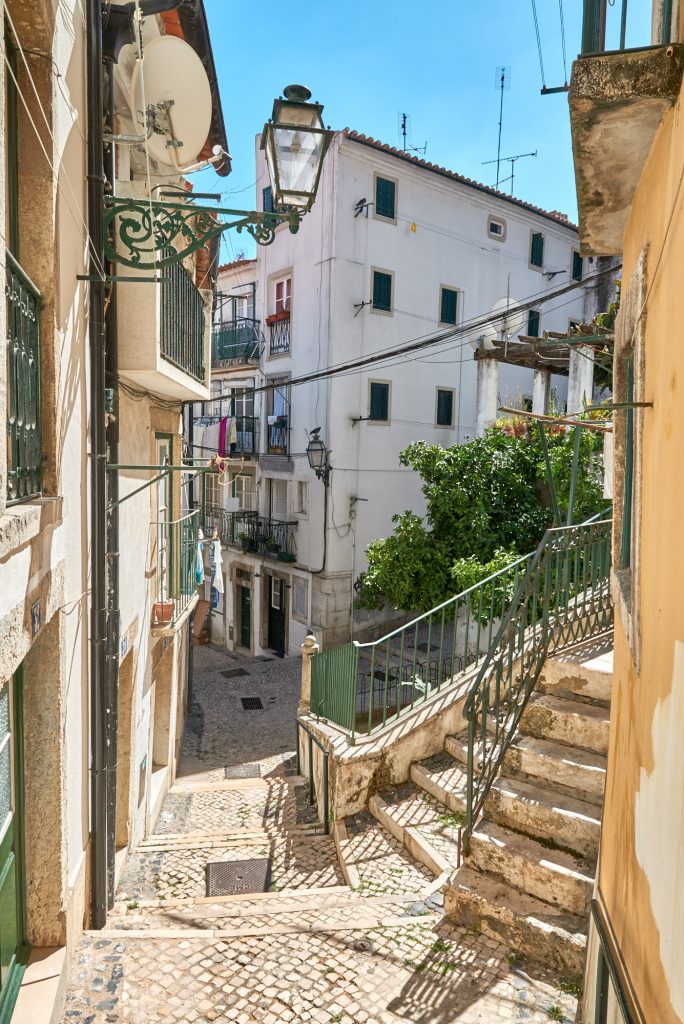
[395,249]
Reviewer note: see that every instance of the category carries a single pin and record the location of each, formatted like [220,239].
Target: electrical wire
[562,28]
[539,45]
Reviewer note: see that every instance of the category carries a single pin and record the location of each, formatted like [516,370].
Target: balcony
[247,436]
[24,457]
[278,436]
[269,538]
[279,328]
[174,568]
[617,100]
[235,343]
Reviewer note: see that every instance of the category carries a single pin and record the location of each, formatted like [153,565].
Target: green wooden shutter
[533,318]
[267,196]
[448,306]
[537,250]
[382,290]
[385,197]
[379,401]
[445,408]
[577,267]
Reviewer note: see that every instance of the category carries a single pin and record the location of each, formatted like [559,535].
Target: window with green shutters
[267,199]
[379,401]
[577,262]
[445,407]
[533,317]
[382,291]
[385,198]
[448,306]
[537,249]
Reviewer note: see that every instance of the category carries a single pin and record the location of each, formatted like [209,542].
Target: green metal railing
[563,598]
[24,457]
[237,341]
[605,26]
[363,687]
[270,538]
[311,740]
[176,566]
[182,320]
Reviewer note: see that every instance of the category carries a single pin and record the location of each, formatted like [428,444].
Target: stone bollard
[309,649]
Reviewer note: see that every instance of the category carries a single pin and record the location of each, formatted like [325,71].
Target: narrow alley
[363,940]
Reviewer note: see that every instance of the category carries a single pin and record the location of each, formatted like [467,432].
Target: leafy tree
[487,503]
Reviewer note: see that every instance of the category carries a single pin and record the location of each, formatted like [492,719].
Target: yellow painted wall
[641,871]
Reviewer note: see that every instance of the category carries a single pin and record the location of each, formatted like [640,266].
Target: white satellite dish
[506,323]
[177,87]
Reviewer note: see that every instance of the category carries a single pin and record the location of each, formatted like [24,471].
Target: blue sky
[368,62]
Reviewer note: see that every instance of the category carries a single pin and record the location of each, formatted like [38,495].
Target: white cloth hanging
[217,578]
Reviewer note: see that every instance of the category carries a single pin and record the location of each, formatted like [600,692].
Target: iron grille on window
[182,321]
[280,336]
[24,460]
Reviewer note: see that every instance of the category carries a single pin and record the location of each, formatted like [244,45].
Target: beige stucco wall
[641,869]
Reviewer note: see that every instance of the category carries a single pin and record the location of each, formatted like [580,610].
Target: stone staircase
[529,876]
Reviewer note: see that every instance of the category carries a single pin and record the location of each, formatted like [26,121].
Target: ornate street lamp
[149,234]
[317,454]
[295,142]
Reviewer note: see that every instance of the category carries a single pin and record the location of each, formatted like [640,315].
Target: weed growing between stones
[555,1013]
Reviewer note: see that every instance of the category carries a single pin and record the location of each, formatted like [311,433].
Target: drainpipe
[98,596]
[112,436]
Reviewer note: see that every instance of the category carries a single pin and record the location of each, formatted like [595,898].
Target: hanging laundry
[232,431]
[223,431]
[199,565]
[217,577]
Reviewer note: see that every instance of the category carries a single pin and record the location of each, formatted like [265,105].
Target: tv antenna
[511,160]
[405,131]
[502,83]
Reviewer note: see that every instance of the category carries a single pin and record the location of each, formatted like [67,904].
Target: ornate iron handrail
[280,336]
[278,442]
[563,598]
[271,538]
[24,456]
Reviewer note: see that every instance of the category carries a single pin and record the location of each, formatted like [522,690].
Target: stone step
[529,926]
[423,825]
[585,670]
[457,747]
[581,771]
[269,900]
[554,876]
[376,863]
[568,822]
[569,721]
[443,778]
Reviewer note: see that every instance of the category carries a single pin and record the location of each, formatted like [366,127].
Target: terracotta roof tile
[235,265]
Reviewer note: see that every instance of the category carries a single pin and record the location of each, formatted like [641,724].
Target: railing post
[309,648]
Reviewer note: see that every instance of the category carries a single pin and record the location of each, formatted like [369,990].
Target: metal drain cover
[251,704]
[229,877]
[231,673]
[243,771]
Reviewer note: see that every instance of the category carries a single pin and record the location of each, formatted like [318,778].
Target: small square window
[300,599]
[445,407]
[533,318]
[302,498]
[382,291]
[385,198]
[536,249]
[448,306]
[496,228]
[577,268]
[379,395]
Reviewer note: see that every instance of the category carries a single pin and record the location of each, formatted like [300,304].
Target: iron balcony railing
[563,598]
[278,437]
[182,321]
[279,336]
[176,566]
[246,436]
[270,538]
[24,457]
[238,341]
[607,28]
[363,687]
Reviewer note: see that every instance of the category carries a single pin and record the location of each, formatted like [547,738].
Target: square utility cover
[231,877]
[243,771]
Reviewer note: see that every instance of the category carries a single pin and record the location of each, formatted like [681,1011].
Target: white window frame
[389,273]
[379,216]
[380,423]
[498,220]
[286,300]
[302,487]
[530,264]
[459,304]
[445,426]
[302,583]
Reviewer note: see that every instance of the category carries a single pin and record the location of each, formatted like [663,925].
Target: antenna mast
[404,131]
[502,81]
[511,160]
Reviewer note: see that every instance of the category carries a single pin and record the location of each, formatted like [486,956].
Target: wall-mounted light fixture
[318,456]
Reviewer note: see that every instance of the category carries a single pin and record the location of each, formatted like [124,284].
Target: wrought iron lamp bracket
[144,229]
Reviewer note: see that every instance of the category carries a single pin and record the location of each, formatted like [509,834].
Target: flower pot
[162,612]
[286,556]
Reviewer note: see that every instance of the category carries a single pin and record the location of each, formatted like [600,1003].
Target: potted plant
[286,556]
[162,613]
[247,542]
[271,544]
[275,318]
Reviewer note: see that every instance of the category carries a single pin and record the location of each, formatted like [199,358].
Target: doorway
[13,947]
[245,617]
[276,616]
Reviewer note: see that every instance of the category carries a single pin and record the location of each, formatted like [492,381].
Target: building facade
[394,250]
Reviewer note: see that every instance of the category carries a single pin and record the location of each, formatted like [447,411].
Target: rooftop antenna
[502,82]
[511,160]
[405,131]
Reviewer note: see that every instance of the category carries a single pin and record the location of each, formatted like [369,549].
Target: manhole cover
[251,704]
[233,672]
[243,771]
[226,877]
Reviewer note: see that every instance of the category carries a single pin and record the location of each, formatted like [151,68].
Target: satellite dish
[503,326]
[177,88]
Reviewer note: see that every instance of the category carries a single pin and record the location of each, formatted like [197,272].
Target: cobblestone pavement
[312,950]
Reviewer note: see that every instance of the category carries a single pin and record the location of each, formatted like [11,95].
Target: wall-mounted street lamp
[318,456]
[153,233]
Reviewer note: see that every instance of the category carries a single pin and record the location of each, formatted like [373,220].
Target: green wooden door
[12,914]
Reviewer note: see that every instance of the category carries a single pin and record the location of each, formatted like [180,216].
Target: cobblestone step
[529,926]
[570,823]
[567,721]
[422,824]
[560,764]
[442,777]
[554,876]
[380,862]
